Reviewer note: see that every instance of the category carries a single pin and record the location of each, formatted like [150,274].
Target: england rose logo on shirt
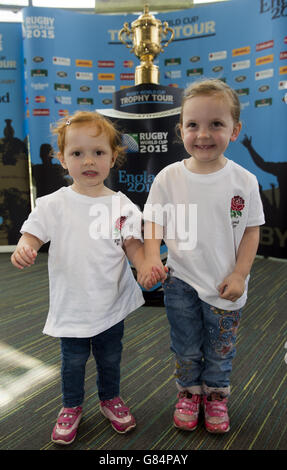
[118,227]
[237,206]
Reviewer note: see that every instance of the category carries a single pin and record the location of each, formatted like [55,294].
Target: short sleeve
[154,206]
[130,221]
[255,212]
[36,224]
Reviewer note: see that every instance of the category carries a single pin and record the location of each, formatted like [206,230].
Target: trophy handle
[165,30]
[126,30]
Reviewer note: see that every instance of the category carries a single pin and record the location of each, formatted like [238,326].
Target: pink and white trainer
[216,413]
[65,429]
[119,415]
[187,411]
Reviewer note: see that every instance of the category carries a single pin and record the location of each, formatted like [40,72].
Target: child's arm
[134,250]
[26,251]
[232,287]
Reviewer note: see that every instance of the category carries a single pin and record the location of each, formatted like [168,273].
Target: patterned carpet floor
[30,390]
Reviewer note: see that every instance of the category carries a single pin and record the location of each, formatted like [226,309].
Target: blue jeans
[106,348]
[202,337]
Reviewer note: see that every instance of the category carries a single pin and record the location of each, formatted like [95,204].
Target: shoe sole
[217,431]
[184,428]
[63,443]
[132,426]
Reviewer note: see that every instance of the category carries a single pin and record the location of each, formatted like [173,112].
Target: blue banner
[76,61]
[14,176]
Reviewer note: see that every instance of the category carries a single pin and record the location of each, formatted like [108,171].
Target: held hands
[150,273]
[232,287]
[23,256]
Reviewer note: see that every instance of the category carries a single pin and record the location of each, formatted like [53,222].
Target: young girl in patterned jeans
[207,209]
[92,230]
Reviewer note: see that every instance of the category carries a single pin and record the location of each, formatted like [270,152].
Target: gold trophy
[146,33]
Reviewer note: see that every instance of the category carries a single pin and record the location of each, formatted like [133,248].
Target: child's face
[207,128]
[88,157]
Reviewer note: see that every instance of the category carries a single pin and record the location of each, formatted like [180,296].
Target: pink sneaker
[66,427]
[119,415]
[187,411]
[216,413]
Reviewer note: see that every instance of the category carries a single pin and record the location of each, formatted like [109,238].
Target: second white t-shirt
[204,218]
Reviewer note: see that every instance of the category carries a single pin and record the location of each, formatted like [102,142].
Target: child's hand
[150,273]
[160,272]
[232,287]
[23,256]
[150,281]
[157,275]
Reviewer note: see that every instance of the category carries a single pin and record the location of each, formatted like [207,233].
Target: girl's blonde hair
[102,124]
[209,87]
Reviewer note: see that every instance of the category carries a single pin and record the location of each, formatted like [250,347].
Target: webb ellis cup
[146,34]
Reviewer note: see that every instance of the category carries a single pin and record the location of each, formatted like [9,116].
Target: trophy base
[146,74]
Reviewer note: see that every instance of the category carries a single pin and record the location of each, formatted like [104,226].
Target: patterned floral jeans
[202,338]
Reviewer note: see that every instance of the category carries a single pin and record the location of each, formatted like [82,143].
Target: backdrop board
[147,116]
[14,175]
[77,61]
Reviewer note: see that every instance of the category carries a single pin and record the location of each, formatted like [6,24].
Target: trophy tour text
[183,28]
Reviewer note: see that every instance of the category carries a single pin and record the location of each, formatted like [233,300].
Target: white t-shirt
[91,284]
[211,211]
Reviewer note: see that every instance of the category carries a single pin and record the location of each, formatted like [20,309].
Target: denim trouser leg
[75,353]
[219,345]
[186,330]
[202,338]
[107,348]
